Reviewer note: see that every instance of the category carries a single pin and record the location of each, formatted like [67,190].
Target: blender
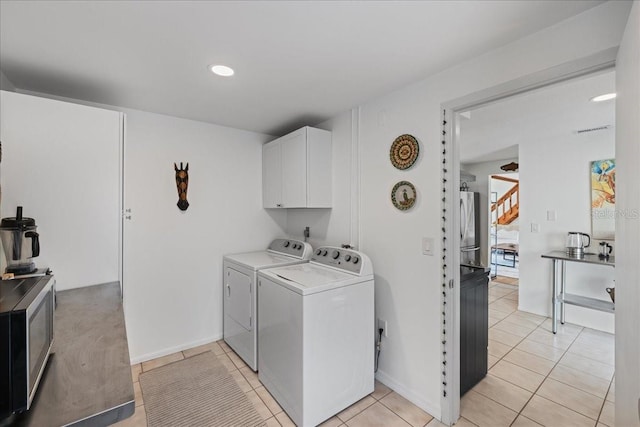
[21,243]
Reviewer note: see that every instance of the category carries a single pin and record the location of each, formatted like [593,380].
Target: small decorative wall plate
[404,151]
[403,195]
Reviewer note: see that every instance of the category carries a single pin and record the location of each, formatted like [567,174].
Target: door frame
[450,178]
[121,206]
[490,217]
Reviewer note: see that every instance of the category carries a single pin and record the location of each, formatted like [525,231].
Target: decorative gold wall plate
[404,151]
[403,195]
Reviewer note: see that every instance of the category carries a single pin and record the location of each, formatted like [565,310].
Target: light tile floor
[535,378]
[383,407]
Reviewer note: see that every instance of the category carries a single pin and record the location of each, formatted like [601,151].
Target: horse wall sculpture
[182,182]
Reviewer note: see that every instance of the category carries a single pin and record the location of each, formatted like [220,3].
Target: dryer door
[237,295]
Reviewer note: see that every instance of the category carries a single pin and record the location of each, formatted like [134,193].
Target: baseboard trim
[411,395]
[164,352]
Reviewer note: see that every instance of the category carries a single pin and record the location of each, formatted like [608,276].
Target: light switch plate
[427,246]
[535,228]
[551,215]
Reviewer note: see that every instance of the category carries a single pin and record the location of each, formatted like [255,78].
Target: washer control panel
[344,259]
[291,247]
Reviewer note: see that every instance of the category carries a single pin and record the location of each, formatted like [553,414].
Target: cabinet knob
[279,205]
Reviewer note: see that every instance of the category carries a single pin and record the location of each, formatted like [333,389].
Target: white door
[627,405]
[237,297]
[294,170]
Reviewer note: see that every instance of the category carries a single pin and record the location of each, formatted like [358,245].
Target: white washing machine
[240,295]
[316,334]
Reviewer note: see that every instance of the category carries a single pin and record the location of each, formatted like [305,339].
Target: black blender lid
[17,222]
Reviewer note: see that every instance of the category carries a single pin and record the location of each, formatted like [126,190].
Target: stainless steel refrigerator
[469,228]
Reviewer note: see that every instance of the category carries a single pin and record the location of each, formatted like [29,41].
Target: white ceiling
[296,62]
[494,132]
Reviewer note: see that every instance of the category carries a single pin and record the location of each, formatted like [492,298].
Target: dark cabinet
[474,326]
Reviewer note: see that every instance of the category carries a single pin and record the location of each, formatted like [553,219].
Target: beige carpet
[197,391]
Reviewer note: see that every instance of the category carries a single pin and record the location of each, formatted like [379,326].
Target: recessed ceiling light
[605,97]
[222,70]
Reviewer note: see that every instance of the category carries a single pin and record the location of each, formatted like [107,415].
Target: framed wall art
[404,152]
[403,195]
[603,199]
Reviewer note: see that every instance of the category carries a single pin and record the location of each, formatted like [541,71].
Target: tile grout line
[604,402]
[565,351]
[499,360]
[400,416]
[547,376]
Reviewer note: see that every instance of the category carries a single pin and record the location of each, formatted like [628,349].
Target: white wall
[555,175]
[481,185]
[5,84]
[61,163]
[407,282]
[173,259]
[628,225]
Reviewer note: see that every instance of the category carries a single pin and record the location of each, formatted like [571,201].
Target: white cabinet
[296,170]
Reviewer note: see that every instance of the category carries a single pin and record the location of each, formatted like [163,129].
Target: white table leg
[554,294]
[563,275]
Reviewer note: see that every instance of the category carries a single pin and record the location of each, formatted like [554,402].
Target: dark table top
[87,381]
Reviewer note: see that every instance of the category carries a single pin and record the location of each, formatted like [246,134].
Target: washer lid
[261,259]
[308,279]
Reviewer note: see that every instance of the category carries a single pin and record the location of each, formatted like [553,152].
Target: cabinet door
[319,175]
[237,297]
[272,175]
[473,331]
[294,169]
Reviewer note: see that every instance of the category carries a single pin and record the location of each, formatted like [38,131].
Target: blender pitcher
[20,242]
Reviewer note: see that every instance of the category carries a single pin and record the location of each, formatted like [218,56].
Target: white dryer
[317,334]
[240,296]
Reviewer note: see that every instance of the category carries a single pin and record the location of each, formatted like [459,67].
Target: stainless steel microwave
[26,338]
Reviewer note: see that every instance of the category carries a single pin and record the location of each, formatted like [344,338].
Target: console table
[560,297]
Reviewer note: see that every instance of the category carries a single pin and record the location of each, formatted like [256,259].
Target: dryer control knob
[286,244]
[347,258]
[318,252]
[335,254]
[324,253]
[356,259]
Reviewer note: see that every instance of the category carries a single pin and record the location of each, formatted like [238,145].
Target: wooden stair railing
[507,206]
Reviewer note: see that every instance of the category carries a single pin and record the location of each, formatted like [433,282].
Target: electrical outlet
[382,324]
